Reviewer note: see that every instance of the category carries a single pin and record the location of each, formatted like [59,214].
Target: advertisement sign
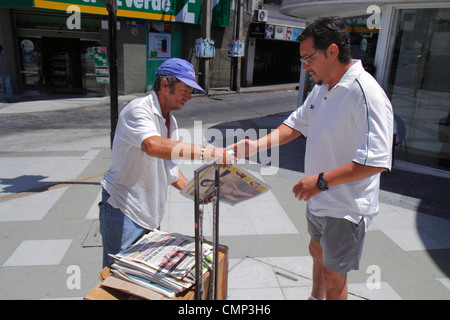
[100,56]
[186,11]
[204,48]
[159,45]
[236,48]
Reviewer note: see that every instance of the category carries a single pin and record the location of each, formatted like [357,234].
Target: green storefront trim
[185,11]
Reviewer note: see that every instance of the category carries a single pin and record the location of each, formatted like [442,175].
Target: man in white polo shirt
[348,122]
[143,159]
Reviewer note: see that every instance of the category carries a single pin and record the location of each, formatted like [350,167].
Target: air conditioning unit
[262,15]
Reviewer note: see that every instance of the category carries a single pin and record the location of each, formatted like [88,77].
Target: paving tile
[413,239]
[38,253]
[93,210]
[251,274]
[30,207]
[374,291]
[256,294]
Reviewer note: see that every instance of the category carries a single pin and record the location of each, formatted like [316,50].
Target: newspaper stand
[199,204]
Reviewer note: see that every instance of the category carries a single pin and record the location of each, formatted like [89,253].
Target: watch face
[321,183]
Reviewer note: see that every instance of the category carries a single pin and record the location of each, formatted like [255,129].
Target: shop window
[417,82]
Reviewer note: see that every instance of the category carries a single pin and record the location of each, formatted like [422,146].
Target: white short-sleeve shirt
[136,182]
[351,122]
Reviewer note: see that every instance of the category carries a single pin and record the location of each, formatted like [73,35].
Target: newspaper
[161,261]
[131,275]
[169,253]
[236,185]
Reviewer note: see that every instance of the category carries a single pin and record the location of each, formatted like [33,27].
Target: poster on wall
[280,33]
[268,32]
[100,57]
[159,45]
[296,33]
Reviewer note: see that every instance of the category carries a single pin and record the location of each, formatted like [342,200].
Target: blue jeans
[117,230]
[4,77]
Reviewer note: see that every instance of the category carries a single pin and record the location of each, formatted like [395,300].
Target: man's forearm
[169,149]
[349,173]
[281,135]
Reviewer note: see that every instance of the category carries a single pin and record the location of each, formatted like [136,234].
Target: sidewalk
[50,241]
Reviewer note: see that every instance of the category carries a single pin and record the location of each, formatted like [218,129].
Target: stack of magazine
[163,262]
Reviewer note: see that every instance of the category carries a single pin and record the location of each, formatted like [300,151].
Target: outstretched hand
[244,148]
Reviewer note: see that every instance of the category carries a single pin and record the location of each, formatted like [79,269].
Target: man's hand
[306,188]
[211,153]
[244,148]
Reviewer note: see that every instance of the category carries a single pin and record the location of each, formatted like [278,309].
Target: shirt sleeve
[298,119]
[138,124]
[374,122]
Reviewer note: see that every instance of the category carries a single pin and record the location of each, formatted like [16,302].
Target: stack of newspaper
[163,262]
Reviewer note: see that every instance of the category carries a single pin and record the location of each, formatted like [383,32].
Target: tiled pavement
[50,246]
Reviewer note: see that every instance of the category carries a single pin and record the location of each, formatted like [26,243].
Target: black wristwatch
[321,183]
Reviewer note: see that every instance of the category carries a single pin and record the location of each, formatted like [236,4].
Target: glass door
[417,82]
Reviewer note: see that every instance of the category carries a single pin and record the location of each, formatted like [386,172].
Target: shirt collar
[154,104]
[352,73]
[156,108]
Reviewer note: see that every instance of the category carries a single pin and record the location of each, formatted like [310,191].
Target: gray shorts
[341,240]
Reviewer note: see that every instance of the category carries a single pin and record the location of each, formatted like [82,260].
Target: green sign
[186,11]
[100,56]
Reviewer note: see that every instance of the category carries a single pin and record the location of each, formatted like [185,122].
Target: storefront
[275,55]
[53,45]
[412,59]
[53,60]
[415,76]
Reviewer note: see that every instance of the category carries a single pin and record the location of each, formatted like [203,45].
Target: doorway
[61,63]
[276,61]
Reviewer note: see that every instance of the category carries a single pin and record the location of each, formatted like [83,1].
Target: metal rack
[199,203]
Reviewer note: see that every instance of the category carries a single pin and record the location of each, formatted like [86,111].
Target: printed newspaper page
[169,253]
[236,185]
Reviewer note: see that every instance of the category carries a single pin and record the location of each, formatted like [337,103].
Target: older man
[142,166]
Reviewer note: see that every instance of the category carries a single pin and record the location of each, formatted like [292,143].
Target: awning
[311,9]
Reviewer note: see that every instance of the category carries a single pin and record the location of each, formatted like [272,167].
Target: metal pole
[237,35]
[198,239]
[111,6]
[205,34]
[213,283]
[216,232]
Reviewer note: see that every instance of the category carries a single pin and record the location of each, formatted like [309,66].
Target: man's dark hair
[326,31]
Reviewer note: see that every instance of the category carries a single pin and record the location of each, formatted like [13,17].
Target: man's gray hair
[170,79]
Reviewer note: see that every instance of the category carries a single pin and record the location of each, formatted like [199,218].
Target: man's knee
[315,250]
[332,277]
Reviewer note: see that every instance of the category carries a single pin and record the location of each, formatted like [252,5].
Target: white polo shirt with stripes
[351,122]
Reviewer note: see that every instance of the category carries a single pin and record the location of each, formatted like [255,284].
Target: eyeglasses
[306,60]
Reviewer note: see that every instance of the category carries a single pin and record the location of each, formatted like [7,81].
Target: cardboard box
[112,288]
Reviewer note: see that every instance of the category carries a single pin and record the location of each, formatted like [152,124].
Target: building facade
[61,46]
[409,44]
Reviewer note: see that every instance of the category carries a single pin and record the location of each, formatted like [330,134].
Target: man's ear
[165,86]
[333,51]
